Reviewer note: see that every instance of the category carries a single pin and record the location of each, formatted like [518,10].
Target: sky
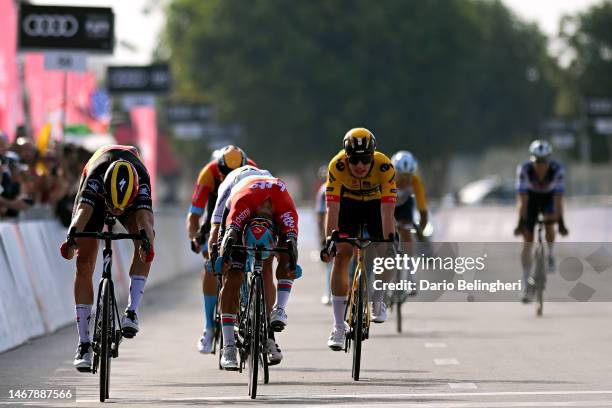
[547,13]
[134,26]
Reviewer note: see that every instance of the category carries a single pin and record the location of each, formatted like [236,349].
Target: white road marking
[435,345]
[390,397]
[463,386]
[446,361]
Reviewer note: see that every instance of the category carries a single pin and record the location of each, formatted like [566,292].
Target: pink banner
[46,96]
[10,98]
[144,125]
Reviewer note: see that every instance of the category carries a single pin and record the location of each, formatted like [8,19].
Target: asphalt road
[449,355]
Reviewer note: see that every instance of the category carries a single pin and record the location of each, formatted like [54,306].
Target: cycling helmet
[230,158]
[404,162]
[359,142]
[540,149]
[248,170]
[120,184]
[259,232]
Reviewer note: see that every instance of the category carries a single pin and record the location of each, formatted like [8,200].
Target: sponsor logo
[50,25]
[288,220]
[122,184]
[145,190]
[93,185]
[340,165]
[385,167]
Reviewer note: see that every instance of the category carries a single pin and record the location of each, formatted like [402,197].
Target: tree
[437,76]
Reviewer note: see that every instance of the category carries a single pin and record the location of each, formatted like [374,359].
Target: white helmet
[404,162]
[540,149]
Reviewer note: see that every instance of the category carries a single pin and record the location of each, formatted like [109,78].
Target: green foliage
[436,76]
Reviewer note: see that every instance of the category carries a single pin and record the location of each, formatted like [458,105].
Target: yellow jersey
[378,184]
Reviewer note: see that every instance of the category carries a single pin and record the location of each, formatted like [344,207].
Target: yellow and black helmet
[359,142]
[230,158]
[120,184]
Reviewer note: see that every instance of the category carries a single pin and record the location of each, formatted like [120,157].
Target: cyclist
[540,186]
[113,181]
[273,351]
[410,188]
[204,197]
[360,189]
[255,197]
[320,210]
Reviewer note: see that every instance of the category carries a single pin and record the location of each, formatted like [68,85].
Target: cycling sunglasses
[363,159]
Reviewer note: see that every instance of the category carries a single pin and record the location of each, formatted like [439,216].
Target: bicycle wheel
[254,336]
[540,280]
[105,341]
[263,342]
[398,314]
[357,329]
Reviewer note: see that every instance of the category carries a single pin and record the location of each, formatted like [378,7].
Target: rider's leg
[209,291]
[232,279]
[527,254]
[83,285]
[269,286]
[139,270]
[339,282]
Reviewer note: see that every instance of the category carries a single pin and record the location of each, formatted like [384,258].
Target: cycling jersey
[228,184]
[209,179]
[553,182]
[249,194]
[91,187]
[378,184]
[320,200]
[417,188]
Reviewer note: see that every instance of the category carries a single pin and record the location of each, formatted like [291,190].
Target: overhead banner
[66,28]
[138,79]
[188,113]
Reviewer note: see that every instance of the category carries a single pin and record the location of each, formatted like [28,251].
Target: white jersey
[225,189]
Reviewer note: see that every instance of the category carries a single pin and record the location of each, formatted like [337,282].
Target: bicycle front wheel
[254,336]
[105,340]
[357,328]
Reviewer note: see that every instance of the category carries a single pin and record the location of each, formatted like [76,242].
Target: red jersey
[250,194]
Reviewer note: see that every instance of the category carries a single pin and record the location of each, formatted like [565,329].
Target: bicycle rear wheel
[540,280]
[254,336]
[105,340]
[357,328]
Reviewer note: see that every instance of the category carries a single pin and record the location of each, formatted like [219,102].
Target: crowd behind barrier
[36,284]
[33,176]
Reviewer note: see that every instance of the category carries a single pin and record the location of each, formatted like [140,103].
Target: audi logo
[50,25]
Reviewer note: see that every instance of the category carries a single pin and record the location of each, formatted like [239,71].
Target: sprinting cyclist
[410,188]
[202,204]
[221,211]
[540,184]
[360,189]
[263,198]
[114,181]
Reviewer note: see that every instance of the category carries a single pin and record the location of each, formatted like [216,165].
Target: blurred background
[464,84]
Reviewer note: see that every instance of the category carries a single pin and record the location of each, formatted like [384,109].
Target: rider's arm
[421,201]
[388,198]
[81,217]
[332,196]
[193,225]
[144,220]
[214,235]
[203,187]
[522,205]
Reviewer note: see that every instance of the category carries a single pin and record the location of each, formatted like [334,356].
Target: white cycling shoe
[229,358]
[379,312]
[82,359]
[205,343]
[274,353]
[278,319]
[337,339]
[129,324]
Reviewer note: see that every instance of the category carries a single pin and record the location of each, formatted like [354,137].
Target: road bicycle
[357,312]
[253,324]
[107,324]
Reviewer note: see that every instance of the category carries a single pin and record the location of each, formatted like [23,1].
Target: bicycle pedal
[84,369]
[128,333]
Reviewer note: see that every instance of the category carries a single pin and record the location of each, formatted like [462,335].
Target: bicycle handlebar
[288,250]
[142,235]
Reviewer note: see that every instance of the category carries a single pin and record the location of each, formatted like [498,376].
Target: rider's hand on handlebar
[562,229]
[328,251]
[196,246]
[519,228]
[67,250]
[146,256]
